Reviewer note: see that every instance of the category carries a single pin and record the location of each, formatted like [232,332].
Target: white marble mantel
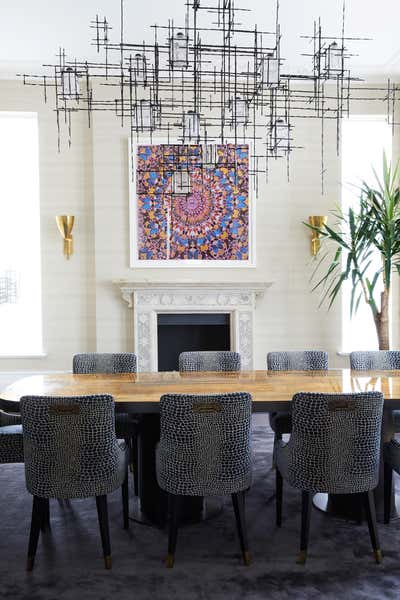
[148,299]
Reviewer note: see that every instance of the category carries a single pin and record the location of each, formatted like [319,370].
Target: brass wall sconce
[65,224]
[316,221]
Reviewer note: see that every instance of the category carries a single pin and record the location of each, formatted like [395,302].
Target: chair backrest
[94,362]
[335,442]
[222,360]
[305,360]
[378,360]
[70,446]
[204,445]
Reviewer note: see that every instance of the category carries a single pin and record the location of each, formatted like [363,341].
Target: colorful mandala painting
[210,222]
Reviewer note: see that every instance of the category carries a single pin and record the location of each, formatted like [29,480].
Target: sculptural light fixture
[65,224]
[316,221]
[213,79]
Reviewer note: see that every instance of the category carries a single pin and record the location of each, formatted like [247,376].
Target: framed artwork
[190,209]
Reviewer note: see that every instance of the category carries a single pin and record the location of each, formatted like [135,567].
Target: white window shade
[20,276]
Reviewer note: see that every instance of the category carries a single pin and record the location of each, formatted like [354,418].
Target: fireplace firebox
[185,332]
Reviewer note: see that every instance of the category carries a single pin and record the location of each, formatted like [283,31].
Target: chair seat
[281,422]
[11,444]
[391,453]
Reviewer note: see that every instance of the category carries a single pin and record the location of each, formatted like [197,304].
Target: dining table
[140,393]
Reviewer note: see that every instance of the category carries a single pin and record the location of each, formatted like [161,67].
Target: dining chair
[334,448]
[294,360]
[378,360]
[391,457]
[127,425]
[221,360]
[11,441]
[71,451]
[375,360]
[204,450]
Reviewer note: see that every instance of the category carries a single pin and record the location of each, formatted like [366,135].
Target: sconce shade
[316,221]
[65,224]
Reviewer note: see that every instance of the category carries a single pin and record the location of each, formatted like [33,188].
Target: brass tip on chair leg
[29,563]
[302,557]
[378,556]
[108,562]
[170,561]
[247,558]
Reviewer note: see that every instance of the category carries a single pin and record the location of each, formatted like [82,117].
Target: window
[363,140]
[20,281]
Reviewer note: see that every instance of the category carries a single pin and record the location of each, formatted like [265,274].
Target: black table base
[345,506]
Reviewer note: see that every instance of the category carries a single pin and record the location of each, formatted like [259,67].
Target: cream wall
[65,187]
[83,310]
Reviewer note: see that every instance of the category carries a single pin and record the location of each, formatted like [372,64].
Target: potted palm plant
[373,227]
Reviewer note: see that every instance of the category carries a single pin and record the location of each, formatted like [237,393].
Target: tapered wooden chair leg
[369,504]
[388,482]
[125,500]
[278,497]
[238,501]
[306,506]
[38,514]
[174,506]
[102,513]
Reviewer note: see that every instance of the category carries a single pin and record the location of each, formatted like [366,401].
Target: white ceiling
[31,31]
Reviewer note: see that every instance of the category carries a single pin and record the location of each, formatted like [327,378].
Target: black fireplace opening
[187,332]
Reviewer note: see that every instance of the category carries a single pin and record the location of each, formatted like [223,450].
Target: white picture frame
[136,263]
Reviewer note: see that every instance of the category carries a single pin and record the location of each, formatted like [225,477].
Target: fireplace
[155,304]
[185,332]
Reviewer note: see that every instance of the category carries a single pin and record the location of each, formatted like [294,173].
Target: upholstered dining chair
[334,448]
[303,360]
[204,450]
[391,456]
[375,360]
[71,451]
[378,360]
[221,360]
[127,426]
[11,442]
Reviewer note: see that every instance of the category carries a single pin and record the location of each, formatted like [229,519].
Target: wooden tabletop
[270,390]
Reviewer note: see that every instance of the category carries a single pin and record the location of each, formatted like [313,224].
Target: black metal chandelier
[211,83]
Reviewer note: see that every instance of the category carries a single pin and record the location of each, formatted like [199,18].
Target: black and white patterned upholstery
[391,457]
[306,360]
[11,444]
[334,446]
[126,362]
[378,360]
[204,447]
[391,454]
[222,360]
[70,446]
[104,363]
[375,360]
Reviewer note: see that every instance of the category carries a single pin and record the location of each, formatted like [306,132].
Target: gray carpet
[69,564]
